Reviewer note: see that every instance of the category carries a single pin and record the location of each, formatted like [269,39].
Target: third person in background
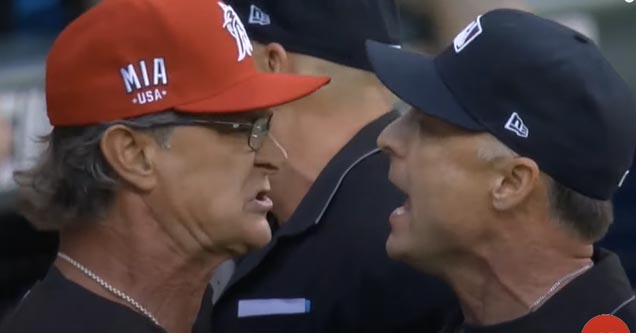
[326,269]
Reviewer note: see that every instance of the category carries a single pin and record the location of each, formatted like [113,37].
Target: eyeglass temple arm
[269,134]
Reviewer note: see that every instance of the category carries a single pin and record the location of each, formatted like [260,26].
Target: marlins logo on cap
[234,25]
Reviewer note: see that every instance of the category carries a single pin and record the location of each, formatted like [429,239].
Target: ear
[517,178]
[130,154]
[277,58]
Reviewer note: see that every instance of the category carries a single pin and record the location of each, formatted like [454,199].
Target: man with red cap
[157,168]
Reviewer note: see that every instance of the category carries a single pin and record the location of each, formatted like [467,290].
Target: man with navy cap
[326,269]
[519,135]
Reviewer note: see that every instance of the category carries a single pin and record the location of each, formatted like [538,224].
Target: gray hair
[588,218]
[72,181]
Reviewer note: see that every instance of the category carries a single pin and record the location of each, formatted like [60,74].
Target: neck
[324,124]
[137,257]
[511,281]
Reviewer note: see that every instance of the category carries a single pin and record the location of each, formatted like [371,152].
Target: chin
[262,241]
[247,246]
[260,234]
[395,248]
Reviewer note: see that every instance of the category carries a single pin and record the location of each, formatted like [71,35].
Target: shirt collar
[312,207]
[603,289]
[317,200]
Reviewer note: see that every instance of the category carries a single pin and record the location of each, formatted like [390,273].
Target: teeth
[400,211]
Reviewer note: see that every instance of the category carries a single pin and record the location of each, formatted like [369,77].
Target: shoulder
[38,311]
[58,303]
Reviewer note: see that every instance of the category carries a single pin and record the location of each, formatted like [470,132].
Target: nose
[271,155]
[389,139]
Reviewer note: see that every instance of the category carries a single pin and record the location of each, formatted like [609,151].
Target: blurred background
[28,28]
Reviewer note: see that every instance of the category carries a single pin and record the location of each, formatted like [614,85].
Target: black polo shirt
[57,304]
[604,289]
[326,269]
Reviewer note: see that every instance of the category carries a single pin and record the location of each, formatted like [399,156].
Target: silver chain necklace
[555,287]
[108,287]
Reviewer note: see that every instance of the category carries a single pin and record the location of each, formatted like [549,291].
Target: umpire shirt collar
[313,206]
[604,289]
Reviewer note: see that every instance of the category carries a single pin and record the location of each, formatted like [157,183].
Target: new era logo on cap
[468,35]
[258,16]
[515,124]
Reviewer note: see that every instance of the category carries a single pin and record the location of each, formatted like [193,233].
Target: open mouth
[401,214]
[262,195]
[404,209]
[261,203]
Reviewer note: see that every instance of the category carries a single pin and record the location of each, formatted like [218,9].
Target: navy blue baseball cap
[334,30]
[544,90]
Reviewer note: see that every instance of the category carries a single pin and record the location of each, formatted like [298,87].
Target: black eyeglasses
[259,128]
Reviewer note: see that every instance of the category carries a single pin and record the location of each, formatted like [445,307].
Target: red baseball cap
[127,58]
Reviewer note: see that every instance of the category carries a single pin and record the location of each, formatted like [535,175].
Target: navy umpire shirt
[326,269]
[604,289]
[59,305]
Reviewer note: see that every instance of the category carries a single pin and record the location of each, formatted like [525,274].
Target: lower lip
[262,205]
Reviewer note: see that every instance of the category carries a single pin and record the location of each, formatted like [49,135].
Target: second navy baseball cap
[334,30]
[544,90]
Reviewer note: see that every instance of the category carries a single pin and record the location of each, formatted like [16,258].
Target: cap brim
[414,79]
[257,92]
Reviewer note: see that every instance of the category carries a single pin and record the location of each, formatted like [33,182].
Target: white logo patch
[258,16]
[145,86]
[468,35]
[515,124]
[235,27]
[623,179]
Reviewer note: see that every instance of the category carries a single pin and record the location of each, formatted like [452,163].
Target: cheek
[436,190]
[209,198]
[428,187]
[206,183]
[447,198]
[222,184]
[230,183]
